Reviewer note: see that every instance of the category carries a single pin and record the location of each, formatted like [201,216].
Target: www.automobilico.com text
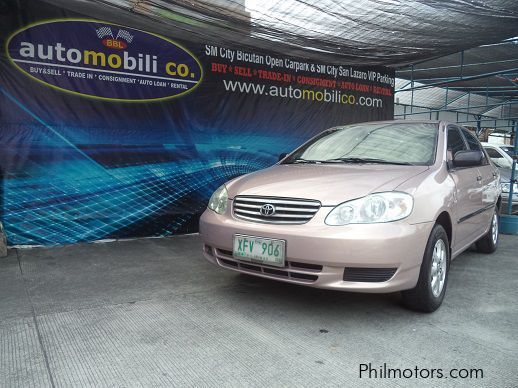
[287,78]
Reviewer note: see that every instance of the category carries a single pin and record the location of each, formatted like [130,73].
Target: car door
[489,181]
[468,192]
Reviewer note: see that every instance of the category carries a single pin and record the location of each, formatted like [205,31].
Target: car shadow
[254,290]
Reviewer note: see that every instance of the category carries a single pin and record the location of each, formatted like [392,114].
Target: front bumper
[318,255]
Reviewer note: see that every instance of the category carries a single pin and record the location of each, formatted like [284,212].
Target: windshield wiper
[302,160]
[366,160]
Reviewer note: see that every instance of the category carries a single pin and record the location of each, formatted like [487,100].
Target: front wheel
[429,292]
[489,242]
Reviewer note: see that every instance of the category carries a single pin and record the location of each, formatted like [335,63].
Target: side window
[493,154]
[474,144]
[455,141]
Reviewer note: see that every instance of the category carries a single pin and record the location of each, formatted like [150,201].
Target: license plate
[259,249]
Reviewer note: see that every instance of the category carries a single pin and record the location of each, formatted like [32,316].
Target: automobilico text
[140,62]
[323,95]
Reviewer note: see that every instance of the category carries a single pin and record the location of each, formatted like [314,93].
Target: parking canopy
[364,32]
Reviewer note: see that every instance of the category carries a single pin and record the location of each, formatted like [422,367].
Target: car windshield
[382,143]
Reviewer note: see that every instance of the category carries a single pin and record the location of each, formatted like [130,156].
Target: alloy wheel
[494,229]
[439,267]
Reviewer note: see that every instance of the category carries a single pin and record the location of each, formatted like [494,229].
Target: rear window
[508,150]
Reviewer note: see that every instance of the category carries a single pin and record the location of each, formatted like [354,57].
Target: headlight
[218,200]
[507,186]
[374,208]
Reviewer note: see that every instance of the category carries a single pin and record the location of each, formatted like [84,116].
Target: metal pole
[513,174]
[487,92]
[450,80]
[403,70]
[461,63]
[441,109]
[412,86]
[445,102]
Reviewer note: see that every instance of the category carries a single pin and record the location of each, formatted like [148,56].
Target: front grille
[287,210]
[369,275]
[301,272]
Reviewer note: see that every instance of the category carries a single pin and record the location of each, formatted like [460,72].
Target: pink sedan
[372,207]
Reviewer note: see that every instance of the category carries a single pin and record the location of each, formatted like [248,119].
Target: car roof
[401,121]
[441,123]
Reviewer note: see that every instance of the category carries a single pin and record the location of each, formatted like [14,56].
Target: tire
[429,292]
[489,242]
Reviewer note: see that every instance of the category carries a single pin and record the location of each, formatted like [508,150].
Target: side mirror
[282,156]
[467,158]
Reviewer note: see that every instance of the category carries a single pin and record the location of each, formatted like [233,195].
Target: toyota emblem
[267,210]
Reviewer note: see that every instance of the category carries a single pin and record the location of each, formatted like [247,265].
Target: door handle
[479,178]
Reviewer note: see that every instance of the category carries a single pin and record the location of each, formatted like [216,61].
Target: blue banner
[108,131]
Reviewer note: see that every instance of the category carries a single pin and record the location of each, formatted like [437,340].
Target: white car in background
[500,155]
[505,184]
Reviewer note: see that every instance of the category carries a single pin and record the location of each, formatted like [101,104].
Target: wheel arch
[444,220]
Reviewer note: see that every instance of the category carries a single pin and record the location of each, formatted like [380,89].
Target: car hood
[331,184]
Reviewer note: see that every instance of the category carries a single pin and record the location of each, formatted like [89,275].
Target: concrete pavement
[154,313]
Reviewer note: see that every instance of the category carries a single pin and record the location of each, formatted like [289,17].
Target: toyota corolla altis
[372,207]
